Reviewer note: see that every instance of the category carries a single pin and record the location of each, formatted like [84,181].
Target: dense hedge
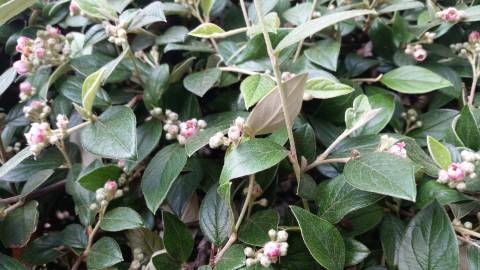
[232,134]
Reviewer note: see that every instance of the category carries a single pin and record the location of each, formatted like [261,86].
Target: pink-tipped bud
[474,37]
[73,8]
[25,88]
[234,133]
[451,14]
[111,185]
[22,67]
[40,53]
[420,54]
[272,249]
[455,172]
[37,134]
[53,31]
[22,43]
[398,149]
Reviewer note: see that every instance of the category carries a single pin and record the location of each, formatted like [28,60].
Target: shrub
[218,134]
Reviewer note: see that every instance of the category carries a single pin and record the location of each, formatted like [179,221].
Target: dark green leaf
[322,239]
[112,135]
[104,253]
[176,237]
[254,230]
[160,173]
[382,173]
[420,248]
[216,220]
[19,225]
[121,218]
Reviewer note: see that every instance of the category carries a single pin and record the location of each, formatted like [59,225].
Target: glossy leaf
[105,252]
[160,173]
[255,87]
[19,225]
[322,239]
[324,53]
[414,80]
[382,173]
[177,237]
[336,198]
[254,230]
[112,135]
[311,27]
[420,246]
[216,220]
[439,153]
[200,82]
[121,218]
[323,88]
[251,157]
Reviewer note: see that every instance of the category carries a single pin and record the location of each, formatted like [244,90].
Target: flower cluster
[417,52]
[41,134]
[26,90]
[234,134]
[457,173]
[105,194]
[470,48]
[37,111]
[451,14]
[390,145]
[50,47]
[117,34]
[271,251]
[176,129]
[411,117]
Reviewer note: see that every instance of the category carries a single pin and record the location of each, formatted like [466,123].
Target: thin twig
[326,161]
[35,194]
[278,77]
[300,44]
[238,70]
[368,80]
[245,13]
[471,97]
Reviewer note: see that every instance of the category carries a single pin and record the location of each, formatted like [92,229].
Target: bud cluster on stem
[49,48]
[457,173]
[234,135]
[176,129]
[41,134]
[271,251]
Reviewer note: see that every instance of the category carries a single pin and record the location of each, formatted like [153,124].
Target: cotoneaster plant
[234,134]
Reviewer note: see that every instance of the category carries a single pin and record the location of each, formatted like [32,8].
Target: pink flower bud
[474,37]
[37,134]
[272,249]
[53,31]
[398,149]
[22,42]
[73,8]
[110,185]
[234,133]
[22,67]
[35,105]
[455,172]
[40,53]
[25,88]
[420,54]
[189,128]
[451,14]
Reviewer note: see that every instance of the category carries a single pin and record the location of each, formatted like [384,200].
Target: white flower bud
[456,222]
[249,262]
[248,251]
[461,187]
[239,122]
[181,140]
[467,155]
[283,249]
[468,225]
[263,202]
[265,261]
[282,236]
[201,124]
[467,167]
[473,175]
[272,234]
